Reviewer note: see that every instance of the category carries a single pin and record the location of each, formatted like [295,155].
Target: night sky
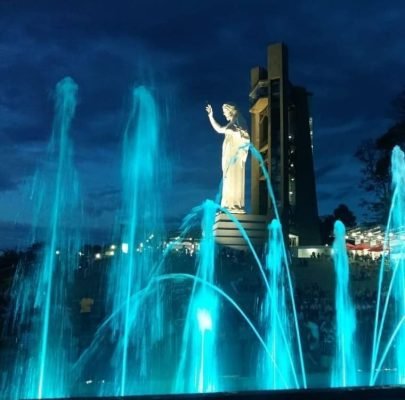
[349,54]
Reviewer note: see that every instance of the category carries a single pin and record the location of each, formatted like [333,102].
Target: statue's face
[228,114]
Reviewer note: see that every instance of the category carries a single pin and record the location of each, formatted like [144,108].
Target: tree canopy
[375,157]
[342,213]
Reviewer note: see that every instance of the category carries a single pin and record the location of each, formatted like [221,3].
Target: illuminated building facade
[282,131]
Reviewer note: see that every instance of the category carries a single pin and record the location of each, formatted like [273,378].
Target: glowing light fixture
[204,320]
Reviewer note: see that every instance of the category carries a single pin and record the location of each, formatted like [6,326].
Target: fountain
[163,329]
[278,371]
[397,257]
[43,363]
[197,371]
[137,329]
[346,358]
[396,287]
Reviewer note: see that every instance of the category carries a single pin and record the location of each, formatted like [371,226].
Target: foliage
[342,213]
[375,157]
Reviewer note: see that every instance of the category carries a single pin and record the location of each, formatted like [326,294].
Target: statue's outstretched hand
[209,110]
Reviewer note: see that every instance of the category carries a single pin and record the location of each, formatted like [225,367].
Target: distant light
[109,253]
[81,254]
[88,382]
[113,247]
[151,236]
[291,165]
[353,234]
[57,252]
[204,320]
[141,244]
[369,234]
[98,256]
[124,248]
[291,193]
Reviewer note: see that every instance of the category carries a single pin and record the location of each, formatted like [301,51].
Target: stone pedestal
[228,234]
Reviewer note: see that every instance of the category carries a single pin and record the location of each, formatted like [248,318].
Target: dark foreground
[358,393]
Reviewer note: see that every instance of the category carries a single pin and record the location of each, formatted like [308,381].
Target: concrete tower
[282,131]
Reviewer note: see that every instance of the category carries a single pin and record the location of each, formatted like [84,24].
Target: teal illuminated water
[198,371]
[136,330]
[278,371]
[41,315]
[398,257]
[344,372]
[277,254]
[164,330]
[389,335]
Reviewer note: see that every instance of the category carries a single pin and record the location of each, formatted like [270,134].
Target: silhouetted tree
[341,212]
[375,156]
[344,214]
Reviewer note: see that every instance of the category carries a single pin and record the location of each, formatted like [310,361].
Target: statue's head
[230,111]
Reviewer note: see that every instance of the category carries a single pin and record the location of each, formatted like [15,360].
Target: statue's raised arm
[217,127]
[234,154]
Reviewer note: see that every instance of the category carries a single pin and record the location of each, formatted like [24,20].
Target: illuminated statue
[234,155]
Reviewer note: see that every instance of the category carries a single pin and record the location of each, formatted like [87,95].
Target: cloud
[189,54]
[14,235]
[324,170]
[103,201]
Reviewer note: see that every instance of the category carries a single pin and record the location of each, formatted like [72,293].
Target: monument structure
[234,154]
[281,129]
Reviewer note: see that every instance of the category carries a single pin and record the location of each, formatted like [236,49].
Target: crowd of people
[315,302]
[364,267]
[239,276]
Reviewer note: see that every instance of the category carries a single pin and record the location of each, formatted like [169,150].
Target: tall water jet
[40,291]
[288,281]
[397,260]
[198,371]
[137,329]
[276,371]
[394,245]
[346,359]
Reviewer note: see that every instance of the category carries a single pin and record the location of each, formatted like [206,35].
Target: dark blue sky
[349,54]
